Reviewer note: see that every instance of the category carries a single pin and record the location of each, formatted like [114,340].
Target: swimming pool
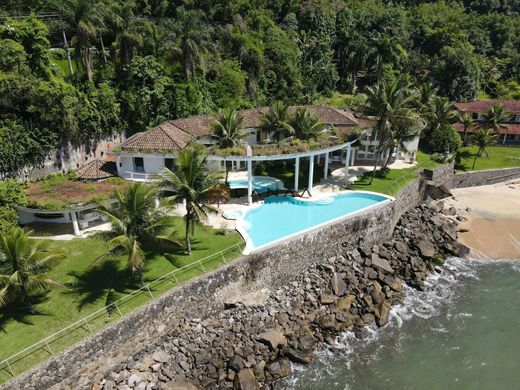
[280,217]
[260,183]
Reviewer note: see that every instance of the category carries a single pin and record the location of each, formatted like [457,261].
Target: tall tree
[483,138]
[193,37]
[389,102]
[24,263]
[495,120]
[139,222]
[466,120]
[129,32]
[84,17]
[189,181]
[439,112]
[276,121]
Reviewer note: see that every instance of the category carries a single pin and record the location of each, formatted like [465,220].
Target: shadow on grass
[103,280]
[18,311]
[464,154]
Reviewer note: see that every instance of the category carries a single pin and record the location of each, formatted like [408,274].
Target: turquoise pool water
[283,216]
[260,183]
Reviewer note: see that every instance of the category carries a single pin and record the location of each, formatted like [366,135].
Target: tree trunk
[227,172]
[390,152]
[474,161]
[375,167]
[87,60]
[188,217]
[465,143]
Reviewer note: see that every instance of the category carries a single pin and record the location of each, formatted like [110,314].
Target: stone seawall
[482,178]
[271,268]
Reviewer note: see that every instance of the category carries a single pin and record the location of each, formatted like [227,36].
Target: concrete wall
[482,178]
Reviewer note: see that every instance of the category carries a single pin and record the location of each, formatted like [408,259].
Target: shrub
[438,158]
[445,139]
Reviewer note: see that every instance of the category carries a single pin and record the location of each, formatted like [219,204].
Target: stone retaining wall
[273,267]
[482,178]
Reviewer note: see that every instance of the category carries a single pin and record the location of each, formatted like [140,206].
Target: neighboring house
[147,152]
[477,109]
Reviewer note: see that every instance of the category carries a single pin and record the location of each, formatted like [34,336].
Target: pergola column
[353,157]
[75,225]
[347,161]
[311,173]
[296,173]
[326,169]
[250,181]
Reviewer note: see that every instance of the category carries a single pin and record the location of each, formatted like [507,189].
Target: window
[168,163]
[138,164]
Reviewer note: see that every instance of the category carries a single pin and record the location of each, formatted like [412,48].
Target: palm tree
[138,221]
[228,128]
[353,54]
[306,125]
[276,121]
[189,181]
[494,119]
[193,39]
[23,266]
[85,18]
[129,32]
[466,120]
[438,113]
[482,138]
[390,103]
[426,94]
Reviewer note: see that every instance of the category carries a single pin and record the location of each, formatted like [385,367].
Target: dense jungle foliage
[137,63]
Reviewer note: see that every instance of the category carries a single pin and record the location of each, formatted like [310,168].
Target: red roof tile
[512,106]
[511,128]
[175,134]
[97,169]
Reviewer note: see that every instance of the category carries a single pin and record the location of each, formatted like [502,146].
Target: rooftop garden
[58,192]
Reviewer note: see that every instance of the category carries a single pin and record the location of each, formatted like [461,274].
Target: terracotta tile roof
[511,128]
[175,134]
[97,169]
[512,106]
[163,137]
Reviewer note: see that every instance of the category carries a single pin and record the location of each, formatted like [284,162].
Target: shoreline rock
[251,346]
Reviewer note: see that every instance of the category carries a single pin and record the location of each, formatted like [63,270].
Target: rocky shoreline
[251,342]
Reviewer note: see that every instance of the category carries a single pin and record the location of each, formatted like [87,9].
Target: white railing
[136,176]
[45,344]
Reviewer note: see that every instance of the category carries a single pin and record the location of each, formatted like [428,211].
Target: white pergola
[312,154]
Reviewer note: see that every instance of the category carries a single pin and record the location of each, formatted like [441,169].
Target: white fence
[45,344]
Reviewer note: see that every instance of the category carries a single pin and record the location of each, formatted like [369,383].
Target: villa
[146,153]
[346,141]
[478,108]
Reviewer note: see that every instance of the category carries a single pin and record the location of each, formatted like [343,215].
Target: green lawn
[499,157]
[396,178]
[88,287]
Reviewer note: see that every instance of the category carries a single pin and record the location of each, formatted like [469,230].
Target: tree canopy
[137,63]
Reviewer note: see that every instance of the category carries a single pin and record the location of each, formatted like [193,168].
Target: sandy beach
[493,219]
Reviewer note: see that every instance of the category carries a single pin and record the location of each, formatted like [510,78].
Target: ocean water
[462,333]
